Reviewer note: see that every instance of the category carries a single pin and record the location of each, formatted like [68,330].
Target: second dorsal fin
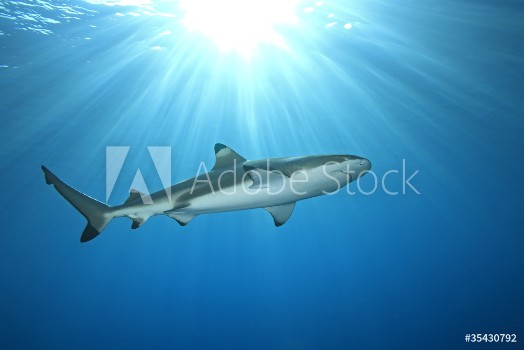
[226,157]
[134,194]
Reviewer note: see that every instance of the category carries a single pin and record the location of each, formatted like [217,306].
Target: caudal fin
[97,214]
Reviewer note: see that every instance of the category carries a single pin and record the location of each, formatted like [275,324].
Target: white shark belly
[242,200]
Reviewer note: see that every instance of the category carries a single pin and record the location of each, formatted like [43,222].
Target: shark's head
[323,173]
[345,168]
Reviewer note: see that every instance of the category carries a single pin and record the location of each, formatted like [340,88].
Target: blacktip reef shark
[234,183]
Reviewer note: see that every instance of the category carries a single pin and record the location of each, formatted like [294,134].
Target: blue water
[438,84]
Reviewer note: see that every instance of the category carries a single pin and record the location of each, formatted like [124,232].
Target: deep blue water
[438,84]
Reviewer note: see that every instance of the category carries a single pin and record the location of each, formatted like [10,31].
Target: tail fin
[97,214]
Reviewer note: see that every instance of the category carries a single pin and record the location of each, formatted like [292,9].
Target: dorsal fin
[134,194]
[225,157]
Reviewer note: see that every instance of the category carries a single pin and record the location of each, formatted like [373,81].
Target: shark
[234,183]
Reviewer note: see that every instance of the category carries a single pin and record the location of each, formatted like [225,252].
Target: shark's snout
[365,164]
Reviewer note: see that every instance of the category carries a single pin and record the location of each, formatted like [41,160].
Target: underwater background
[434,85]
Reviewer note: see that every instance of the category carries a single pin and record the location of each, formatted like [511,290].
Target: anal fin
[137,220]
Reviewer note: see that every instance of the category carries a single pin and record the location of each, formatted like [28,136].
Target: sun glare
[239,25]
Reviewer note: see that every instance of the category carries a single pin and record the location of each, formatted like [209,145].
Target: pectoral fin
[281,213]
[182,218]
[263,179]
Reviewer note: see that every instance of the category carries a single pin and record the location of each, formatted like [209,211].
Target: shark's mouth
[347,173]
